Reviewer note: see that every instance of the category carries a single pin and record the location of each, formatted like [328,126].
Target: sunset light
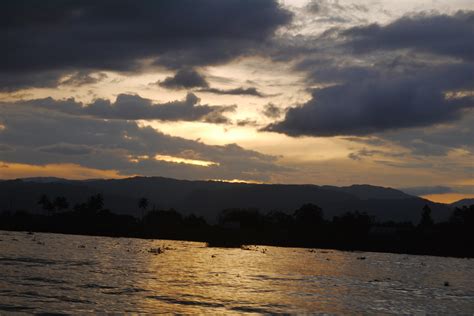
[226,157]
[194,162]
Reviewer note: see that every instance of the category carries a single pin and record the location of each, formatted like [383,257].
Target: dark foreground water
[78,274]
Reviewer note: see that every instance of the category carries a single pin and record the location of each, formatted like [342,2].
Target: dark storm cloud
[67,149]
[190,78]
[236,91]
[373,105]
[247,122]
[272,111]
[13,81]
[185,79]
[374,92]
[325,7]
[81,78]
[40,36]
[437,141]
[364,153]
[39,136]
[451,35]
[334,12]
[134,107]
[428,146]
[217,115]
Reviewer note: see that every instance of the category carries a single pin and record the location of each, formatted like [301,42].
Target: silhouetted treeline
[305,226]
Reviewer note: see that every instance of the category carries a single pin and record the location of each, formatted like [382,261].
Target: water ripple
[116,275]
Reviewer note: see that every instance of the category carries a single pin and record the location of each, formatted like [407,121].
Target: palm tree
[143,205]
[61,203]
[95,203]
[426,220]
[47,205]
[309,215]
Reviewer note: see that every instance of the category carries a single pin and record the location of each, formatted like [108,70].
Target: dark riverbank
[306,227]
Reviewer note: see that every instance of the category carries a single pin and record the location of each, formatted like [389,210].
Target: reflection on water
[65,273]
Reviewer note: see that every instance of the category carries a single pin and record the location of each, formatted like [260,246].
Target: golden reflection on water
[79,274]
[265,279]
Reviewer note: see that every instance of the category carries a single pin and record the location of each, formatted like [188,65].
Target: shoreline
[310,248]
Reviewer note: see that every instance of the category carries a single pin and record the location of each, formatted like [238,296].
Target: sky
[301,92]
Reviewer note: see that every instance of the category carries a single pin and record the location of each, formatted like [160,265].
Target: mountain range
[208,198]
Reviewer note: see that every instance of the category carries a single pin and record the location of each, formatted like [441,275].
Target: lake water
[77,274]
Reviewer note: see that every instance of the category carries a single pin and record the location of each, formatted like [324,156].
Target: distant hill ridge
[208,198]
[463,202]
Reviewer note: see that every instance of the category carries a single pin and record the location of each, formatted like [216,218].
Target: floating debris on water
[253,248]
[246,247]
[156,251]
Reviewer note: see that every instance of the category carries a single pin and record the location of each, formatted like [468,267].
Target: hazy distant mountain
[463,202]
[44,179]
[365,192]
[208,198]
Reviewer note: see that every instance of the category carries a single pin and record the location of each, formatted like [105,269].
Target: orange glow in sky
[447,197]
[69,171]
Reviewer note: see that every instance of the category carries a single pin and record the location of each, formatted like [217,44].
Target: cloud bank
[52,38]
[40,136]
[134,107]
[401,88]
